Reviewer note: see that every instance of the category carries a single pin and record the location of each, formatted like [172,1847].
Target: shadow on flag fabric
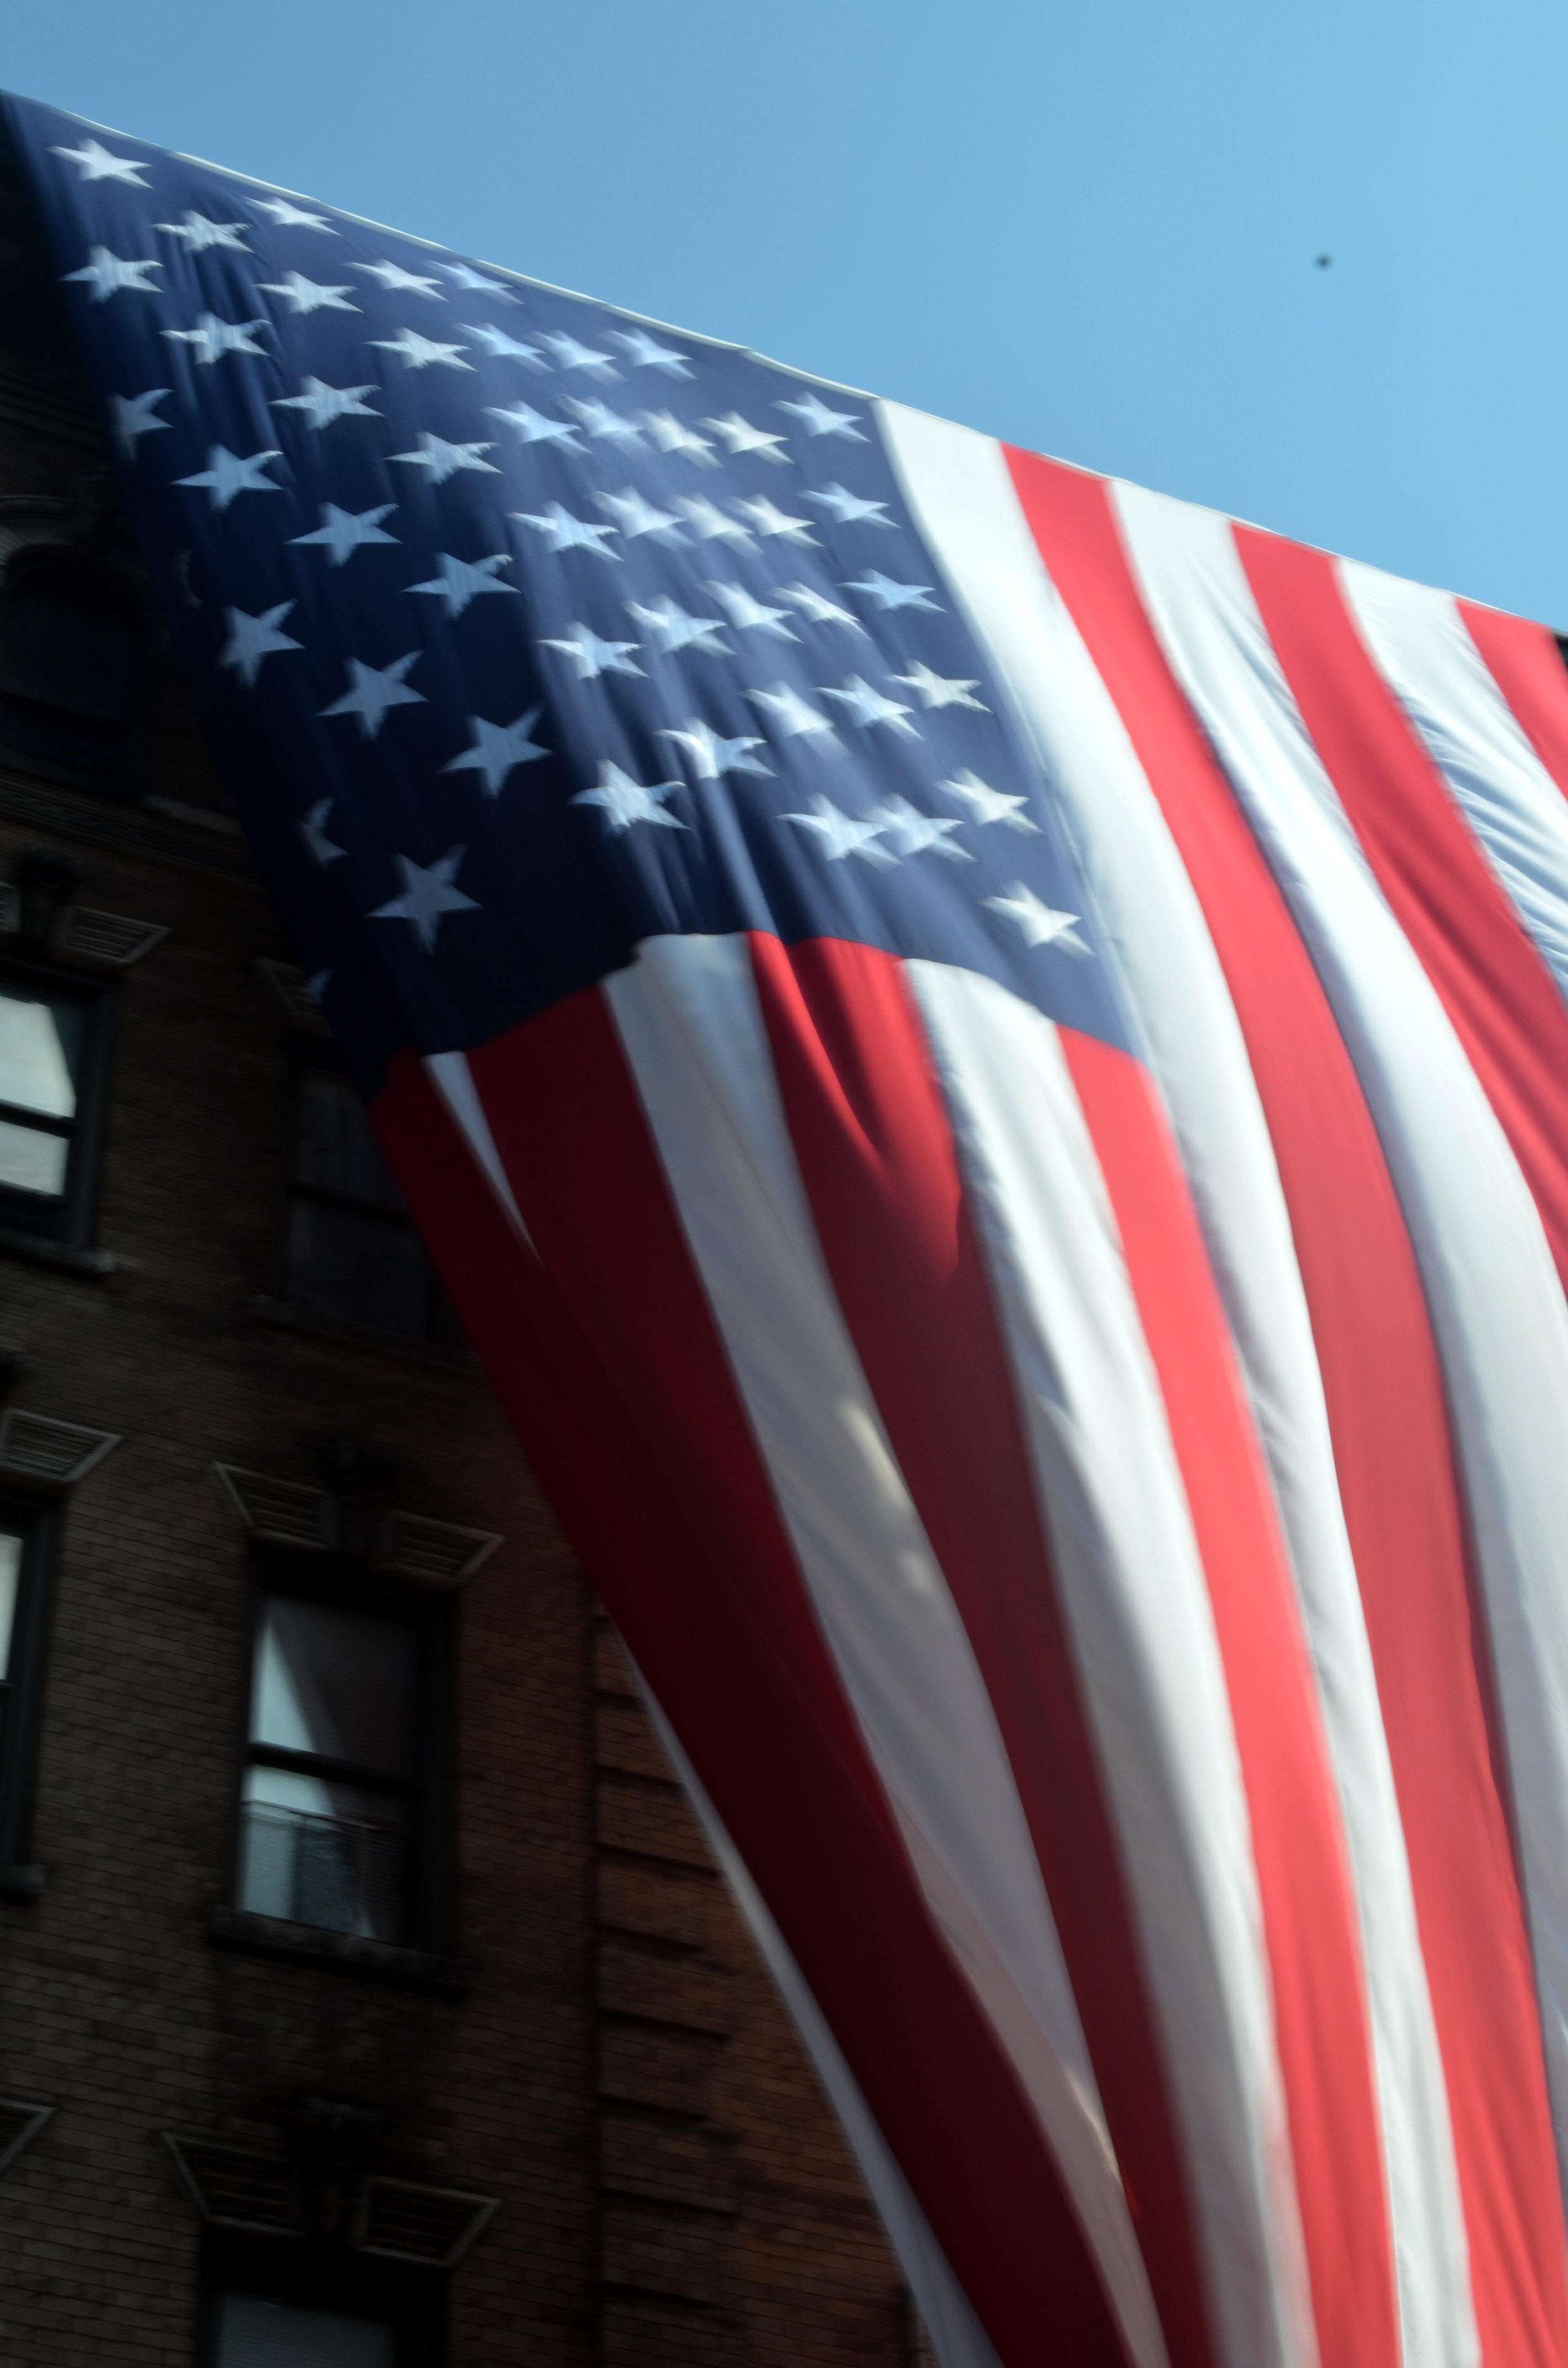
[983,1055]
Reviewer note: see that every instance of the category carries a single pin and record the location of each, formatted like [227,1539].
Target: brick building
[367,1994]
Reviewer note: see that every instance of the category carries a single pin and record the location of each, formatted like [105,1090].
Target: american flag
[985,1055]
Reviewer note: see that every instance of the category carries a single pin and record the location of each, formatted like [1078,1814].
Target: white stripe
[963,497]
[1496,1306]
[1148,1659]
[956,2333]
[453,1080]
[1419,641]
[690,1021]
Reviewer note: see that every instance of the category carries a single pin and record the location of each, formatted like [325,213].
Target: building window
[54,1048]
[340,1817]
[73,660]
[283,2305]
[351,1252]
[24,1570]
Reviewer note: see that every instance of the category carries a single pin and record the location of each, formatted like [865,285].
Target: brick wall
[614,2064]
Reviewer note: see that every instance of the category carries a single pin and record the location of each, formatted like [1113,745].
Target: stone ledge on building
[379,1960]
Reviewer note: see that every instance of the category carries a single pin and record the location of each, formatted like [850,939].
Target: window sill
[270,1936]
[20,1881]
[290,1318]
[36,1249]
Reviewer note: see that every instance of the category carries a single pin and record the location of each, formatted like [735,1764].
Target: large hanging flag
[984,1056]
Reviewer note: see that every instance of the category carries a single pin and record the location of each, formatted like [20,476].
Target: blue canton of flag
[564,631]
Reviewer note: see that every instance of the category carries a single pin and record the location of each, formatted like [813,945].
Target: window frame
[102,582]
[316,2275]
[312,1056]
[341,1583]
[21,1687]
[74,1226]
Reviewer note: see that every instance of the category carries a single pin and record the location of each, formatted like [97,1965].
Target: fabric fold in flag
[981,1054]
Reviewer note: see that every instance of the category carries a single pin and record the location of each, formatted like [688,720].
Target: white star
[626,801]
[200,232]
[308,295]
[133,416]
[312,830]
[673,435]
[290,217]
[497,749]
[444,459]
[989,804]
[888,595]
[794,715]
[392,276]
[1040,925]
[818,420]
[674,629]
[711,754]
[594,657]
[226,475]
[913,832]
[770,521]
[98,163]
[742,436]
[464,276]
[866,706]
[251,639]
[709,524]
[849,509]
[109,274]
[373,690]
[605,425]
[418,352]
[566,532]
[645,353]
[843,835]
[939,689]
[569,355]
[427,895]
[213,338]
[634,517]
[463,580]
[820,608]
[326,404]
[502,347]
[532,426]
[343,532]
[747,615]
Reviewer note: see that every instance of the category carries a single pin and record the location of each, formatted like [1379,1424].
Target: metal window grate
[292,995]
[20,2124]
[246,2191]
[338,1873]
[36,1447]
[435,2225]
[440,1553]
[112,939]
[284,1512]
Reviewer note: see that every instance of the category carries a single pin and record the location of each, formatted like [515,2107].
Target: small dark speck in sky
[1322,262]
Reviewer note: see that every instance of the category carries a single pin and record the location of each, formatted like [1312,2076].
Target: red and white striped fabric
[1099,1527]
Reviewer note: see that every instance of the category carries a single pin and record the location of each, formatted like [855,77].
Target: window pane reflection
[31,1161]
[314,1851]
[336,1683]
[40,1051]
[10,1578]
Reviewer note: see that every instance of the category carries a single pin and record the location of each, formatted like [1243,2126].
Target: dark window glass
[335,1813]
[351,1251]
[23,1572]
[72,659]
[51,1043]
[254,2332]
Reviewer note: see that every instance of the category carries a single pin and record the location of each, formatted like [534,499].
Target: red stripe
[1302,1873]
[877,1156]
[615,1373]
[1525,664]
[1392,1450]
[1495,986]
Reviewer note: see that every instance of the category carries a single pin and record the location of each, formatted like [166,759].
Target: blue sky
[1090,228]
